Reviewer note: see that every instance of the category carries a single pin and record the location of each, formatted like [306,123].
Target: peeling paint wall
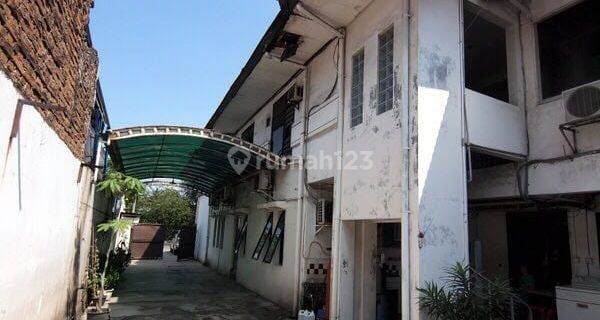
[545,140]
[373,149]
[442,208]
[271,280]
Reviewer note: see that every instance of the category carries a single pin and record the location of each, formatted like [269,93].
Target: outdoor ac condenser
[582,102]
[295,95]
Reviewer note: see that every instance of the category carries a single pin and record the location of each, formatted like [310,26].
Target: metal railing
[515,301]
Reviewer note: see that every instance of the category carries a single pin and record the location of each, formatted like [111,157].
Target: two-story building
[419,133]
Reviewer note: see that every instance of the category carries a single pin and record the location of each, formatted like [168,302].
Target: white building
[447,116]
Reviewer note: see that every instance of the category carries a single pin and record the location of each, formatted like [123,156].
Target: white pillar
[439,224]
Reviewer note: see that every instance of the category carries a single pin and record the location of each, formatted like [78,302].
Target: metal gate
[187,242]
[147,241]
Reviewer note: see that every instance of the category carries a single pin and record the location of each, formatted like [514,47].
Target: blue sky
[171,62]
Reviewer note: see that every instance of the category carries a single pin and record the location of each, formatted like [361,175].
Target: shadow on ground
[167,289]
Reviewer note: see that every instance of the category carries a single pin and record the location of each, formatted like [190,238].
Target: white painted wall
[442,208]
[495,124]
[202,240]
[272,281]
[220,259]
[545,139]
[378,135]
[39,239]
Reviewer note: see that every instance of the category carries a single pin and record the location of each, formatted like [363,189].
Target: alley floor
[167,289]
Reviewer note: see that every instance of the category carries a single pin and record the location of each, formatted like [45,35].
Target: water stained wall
[372,150]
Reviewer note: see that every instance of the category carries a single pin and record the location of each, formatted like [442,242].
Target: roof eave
[272,33]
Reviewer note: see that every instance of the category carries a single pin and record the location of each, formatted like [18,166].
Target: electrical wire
[336,60]
[314,242]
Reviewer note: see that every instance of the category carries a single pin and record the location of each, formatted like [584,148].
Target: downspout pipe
[404,223]
[301,215]
[334,311]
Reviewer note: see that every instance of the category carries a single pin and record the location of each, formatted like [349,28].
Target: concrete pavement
[167,289]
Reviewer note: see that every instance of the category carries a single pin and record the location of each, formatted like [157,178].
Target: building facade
[51,117]
[419,134]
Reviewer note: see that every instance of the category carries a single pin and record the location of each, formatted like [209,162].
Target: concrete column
[365,276]
[439,225]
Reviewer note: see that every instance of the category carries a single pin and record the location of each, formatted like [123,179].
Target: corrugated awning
[202,158]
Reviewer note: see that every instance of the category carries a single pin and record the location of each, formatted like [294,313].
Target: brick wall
[45,52]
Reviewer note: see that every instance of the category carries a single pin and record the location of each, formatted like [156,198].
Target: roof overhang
[200,158]
[266,72]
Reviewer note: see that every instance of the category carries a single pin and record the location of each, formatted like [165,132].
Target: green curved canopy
[201,158]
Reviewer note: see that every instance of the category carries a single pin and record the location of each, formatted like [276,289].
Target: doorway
[388,280]
[539,257]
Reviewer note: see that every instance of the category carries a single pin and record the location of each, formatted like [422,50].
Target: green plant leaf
[116,225]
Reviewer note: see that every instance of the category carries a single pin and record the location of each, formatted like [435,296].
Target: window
[281,131]
[221,232]
[275,241]
[385,71]
[97,126]
[485,56]
[215,228]
[218,232]
[569,48]
[248,134]
[265,237]
[356,93]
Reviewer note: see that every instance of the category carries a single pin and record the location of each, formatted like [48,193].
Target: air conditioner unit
[324,212]
[582,102]
[295,95]
[265,182]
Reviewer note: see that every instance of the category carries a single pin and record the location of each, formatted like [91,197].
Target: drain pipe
[301,216]
[404,223]
[337,220]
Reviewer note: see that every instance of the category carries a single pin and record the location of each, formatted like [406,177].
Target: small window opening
[485,56]
[385,71]
[248,134]
[356,93]
[281,131]
[569,48]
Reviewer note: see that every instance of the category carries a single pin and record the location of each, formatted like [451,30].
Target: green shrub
[466,295]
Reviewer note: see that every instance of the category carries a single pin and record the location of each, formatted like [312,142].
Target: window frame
[539,95]
[389,29]
[357,108]
[248,132]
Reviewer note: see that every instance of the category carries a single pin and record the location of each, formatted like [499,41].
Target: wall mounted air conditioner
[324,212]
[295,95]
[582,102]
